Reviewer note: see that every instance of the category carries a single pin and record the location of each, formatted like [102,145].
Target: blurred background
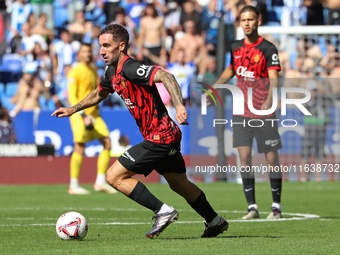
[191,39]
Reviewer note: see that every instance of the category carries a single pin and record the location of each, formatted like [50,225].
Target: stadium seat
[11,62]
[11,89]
[6,102]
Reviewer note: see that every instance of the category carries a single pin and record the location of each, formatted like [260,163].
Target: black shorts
[267,136]
[147,156]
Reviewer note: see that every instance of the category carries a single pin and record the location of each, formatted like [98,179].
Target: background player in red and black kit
[160,150]
[256,64]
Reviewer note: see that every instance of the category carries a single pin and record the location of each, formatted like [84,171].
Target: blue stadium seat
[6,102]
[11,62]
[11,89]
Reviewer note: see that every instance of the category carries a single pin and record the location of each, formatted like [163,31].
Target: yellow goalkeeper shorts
[82,135]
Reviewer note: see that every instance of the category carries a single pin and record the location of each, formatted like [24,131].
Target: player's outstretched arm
[94,98]
[175,92]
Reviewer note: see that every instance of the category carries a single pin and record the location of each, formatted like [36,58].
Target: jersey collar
[121,66]
[253,44]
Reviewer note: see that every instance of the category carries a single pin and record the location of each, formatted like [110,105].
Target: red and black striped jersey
[251,63]
[133,82]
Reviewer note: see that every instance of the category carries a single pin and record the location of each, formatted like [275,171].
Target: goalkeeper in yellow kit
[87,125]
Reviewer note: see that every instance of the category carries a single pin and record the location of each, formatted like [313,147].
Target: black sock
[276,185]
[248,180]
[203,208]
[144,197]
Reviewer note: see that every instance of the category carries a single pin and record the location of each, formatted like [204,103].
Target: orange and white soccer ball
[72,226]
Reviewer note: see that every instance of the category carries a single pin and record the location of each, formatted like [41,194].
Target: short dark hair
[119,33]
[250,8]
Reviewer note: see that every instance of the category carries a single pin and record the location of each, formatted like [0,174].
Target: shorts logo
[273,143]
[127,155]
[172,152]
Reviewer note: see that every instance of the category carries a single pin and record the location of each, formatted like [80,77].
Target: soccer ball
[71,226]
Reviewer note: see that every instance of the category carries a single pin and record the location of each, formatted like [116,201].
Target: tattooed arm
[95,97]
[174,90]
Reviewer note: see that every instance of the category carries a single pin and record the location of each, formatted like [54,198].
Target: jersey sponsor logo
[172,152]
[275,59]
[273,143]
[242,71]
[127,155]
[144,70]
[128,103]
[156,137]
[257,58]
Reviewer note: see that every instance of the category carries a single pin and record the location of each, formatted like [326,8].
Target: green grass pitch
[118,225]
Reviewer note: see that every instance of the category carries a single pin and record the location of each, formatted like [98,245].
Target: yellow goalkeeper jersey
[82,80]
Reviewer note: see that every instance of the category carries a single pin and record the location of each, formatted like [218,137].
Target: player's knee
[178,187]
[271,159]
[245,160]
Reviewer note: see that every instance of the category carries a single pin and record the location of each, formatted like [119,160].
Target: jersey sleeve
[139,73]
[106,83]
[272,58]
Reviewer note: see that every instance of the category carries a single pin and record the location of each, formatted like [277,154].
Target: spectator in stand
[110,10]
[44,61]
[7,131]
[60,98]
[124,20]
[314,12]
[65,50]
[44,6]
[134,10]
[19,15]
[152,34]
[162,62]
[210,21]
[331,60]
[30,88]
[173,16]
[193,46]
[77,28]
[292,14]
[28,42]
[41,29]
[183,72]
[73,6]
[189,13]
[334,12]
[94,12]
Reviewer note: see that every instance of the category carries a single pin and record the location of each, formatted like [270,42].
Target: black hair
[120,34]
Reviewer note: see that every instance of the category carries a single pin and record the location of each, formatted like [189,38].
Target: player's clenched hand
[63,112]
[181,115]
